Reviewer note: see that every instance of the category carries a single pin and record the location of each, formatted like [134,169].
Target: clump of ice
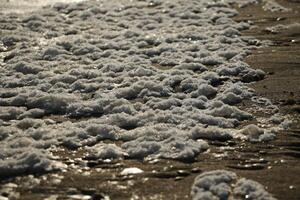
[221,184]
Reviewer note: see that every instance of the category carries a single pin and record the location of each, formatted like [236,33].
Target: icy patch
[221,184]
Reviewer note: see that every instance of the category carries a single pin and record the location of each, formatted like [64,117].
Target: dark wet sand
[278,161]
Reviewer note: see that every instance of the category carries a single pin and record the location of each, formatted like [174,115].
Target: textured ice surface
[221,184]
[160,77]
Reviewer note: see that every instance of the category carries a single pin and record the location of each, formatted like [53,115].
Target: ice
[221,184]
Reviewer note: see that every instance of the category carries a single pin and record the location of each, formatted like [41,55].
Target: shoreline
[282,154]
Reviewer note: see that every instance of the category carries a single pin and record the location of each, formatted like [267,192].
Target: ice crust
[160,77]
[222,185]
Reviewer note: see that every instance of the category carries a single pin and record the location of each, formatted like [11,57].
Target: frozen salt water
[107,72]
